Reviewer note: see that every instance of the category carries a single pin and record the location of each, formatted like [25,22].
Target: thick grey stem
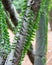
[41,42]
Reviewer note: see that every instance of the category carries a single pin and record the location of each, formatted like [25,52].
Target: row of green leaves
[4,36]
[32,27]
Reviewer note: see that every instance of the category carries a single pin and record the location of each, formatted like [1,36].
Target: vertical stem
[41,42]
[41,36]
